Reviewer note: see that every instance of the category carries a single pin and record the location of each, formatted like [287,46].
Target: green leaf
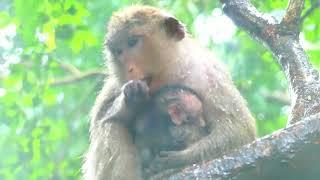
[5,19]
[49,97]
[26,14]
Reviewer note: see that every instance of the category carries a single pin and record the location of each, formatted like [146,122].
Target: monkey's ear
[174,28]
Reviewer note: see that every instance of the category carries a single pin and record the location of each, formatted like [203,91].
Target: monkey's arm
[118,111]
[220,141]
[104,101]
[120,104]
[111,150]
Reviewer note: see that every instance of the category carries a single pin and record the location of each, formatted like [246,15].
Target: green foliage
[44,127]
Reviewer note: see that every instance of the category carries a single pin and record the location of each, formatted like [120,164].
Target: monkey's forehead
[135,16]
[138,12]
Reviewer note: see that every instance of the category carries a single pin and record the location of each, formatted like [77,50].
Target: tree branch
[291,18]
[282,38]
[313,7]
[277,97]
[291,153]
[247,17]
[69,68]
[80,76]
[76,74]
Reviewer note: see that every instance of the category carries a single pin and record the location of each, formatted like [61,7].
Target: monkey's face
[134,54]
[139,42]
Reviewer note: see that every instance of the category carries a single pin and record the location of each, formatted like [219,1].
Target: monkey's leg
[123,161]
[112,155]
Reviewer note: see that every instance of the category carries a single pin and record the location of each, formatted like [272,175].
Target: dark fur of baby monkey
[173,121]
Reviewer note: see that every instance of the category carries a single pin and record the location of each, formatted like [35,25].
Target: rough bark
[291,153]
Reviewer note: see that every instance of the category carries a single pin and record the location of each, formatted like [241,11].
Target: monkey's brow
[112,39]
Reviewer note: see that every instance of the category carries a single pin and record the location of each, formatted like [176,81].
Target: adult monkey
[149,49]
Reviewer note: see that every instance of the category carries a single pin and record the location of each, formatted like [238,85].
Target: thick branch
[293,60]
[292,17]
[247,17]
[291,153]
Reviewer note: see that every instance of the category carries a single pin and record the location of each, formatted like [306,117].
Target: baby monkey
[173,121]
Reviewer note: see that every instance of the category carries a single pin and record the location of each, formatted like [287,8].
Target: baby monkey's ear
[174,28]
[176,115]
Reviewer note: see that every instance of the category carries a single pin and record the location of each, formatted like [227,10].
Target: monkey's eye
[132,41]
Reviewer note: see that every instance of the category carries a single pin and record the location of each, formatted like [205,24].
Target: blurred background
[51,69]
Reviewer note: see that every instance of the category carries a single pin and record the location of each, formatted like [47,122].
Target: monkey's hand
[133,94]
[168,160]
[136,92]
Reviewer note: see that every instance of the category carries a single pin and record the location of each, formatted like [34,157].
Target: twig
[76,74]
[278,97]
[69,68]
[74,78]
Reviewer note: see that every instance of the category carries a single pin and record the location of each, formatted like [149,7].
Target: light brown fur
[167,60]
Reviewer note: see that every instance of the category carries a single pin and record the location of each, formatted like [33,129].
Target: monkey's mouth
[147,79]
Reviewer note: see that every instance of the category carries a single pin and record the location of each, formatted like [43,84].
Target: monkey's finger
[127,89]
[136,91]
